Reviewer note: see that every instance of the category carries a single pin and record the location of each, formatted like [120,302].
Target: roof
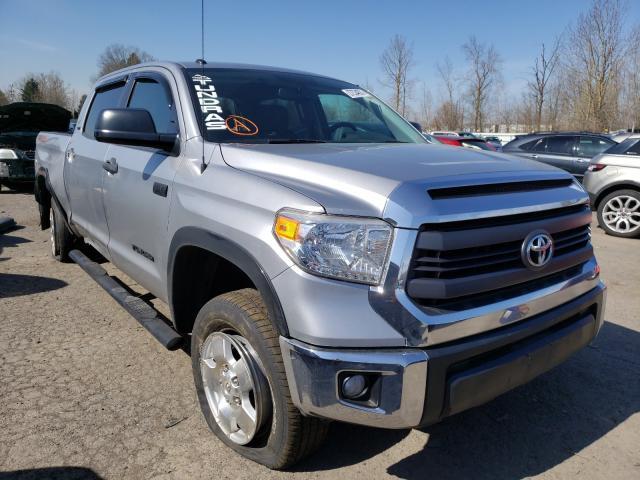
[194,64]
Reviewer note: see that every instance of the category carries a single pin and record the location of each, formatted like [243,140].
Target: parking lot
[87,393]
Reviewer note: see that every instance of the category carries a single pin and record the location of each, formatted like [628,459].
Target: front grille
[490,258]
[459,264]
[31,154]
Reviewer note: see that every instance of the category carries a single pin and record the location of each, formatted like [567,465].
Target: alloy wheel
[622,214]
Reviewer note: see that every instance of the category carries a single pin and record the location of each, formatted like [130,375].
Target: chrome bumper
[416,386]
[313,374]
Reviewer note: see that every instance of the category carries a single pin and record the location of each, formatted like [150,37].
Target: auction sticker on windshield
[355,92]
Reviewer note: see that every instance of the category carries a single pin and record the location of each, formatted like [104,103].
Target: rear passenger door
[84,174]
[138,196]
[556,150]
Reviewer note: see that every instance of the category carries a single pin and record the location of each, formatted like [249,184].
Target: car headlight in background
[4,169]
[345,248]
[8,154]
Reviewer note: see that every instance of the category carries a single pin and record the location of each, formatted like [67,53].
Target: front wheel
[241,383]
[619,213]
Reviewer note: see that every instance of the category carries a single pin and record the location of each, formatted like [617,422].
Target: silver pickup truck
[323,260]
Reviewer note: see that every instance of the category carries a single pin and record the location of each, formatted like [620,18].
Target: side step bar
[137,308]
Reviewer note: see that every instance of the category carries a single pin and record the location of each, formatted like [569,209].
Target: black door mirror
[417,126]
[132,126]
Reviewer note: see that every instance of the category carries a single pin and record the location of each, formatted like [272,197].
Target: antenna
[202,62]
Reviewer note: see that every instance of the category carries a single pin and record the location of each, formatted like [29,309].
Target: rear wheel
[61,238]
[619,213]
[241,383]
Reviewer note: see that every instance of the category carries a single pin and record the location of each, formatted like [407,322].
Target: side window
[591,146]
[560,144]
[634,149]
[107,97]
[152,96]
[528,145]
[535,145]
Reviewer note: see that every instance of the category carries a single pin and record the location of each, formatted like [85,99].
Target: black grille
[31,155]
[490,258]
[457,265]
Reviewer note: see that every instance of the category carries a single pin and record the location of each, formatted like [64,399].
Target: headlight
[345,248]
[4,169]
[8,154]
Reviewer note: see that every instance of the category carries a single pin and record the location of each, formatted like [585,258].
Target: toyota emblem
[537,250]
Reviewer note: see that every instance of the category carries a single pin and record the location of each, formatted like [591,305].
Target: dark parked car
[19,126]
[569,151]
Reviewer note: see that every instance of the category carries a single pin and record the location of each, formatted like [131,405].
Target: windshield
[263,106]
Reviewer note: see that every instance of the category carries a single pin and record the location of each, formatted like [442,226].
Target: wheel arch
[236,261]
[622,185]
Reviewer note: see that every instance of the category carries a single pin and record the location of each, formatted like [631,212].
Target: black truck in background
[20,124]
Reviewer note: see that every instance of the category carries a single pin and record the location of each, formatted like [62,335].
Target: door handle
[111,165]
[70,154]
[534,156]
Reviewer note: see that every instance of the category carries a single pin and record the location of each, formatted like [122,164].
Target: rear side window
[536,145]
[107,97]
[154,97]
[630,146]
[634,148]
[591,146]
[560,144]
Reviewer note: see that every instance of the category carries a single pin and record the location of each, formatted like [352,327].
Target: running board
[146,315]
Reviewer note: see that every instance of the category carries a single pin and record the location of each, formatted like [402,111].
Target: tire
[44,214]
[619,213]
[284,436]
[62,240]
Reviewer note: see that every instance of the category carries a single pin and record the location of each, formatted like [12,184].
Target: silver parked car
[613,183]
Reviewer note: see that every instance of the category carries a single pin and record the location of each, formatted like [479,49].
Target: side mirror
[417,126]
[132,126]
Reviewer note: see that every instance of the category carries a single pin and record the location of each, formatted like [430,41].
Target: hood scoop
[497,188]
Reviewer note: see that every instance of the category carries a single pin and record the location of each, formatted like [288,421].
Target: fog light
[354,386]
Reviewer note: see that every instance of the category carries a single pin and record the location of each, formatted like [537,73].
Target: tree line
[587,78]
[51,88]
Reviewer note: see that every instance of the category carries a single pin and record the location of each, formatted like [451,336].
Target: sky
[342,39]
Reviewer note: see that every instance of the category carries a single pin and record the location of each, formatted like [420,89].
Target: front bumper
[420,386]
[17,171]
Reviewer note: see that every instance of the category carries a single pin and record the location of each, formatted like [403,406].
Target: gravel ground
[85,392]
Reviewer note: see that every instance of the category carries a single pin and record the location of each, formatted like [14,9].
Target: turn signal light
[286,227]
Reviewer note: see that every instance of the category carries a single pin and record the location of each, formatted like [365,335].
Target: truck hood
[33,117]
[385,180]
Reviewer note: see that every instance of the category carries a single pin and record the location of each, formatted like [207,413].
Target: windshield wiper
[294,140]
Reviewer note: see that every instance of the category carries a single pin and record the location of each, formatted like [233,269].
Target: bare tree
[484,70]
[117,56]
[595,57]
[426,108]
[631,84]
[396,62]
[543,70]
[3,98]
[53,90]
[450,111]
